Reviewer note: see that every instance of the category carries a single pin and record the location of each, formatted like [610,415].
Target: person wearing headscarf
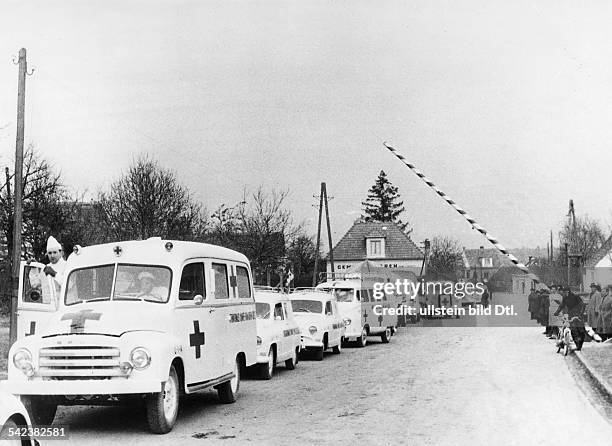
[555,320]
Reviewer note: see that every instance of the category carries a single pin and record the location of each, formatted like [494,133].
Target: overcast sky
[506,106]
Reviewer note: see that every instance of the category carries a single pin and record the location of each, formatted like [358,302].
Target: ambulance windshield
[344,294]
[306,306]
[132,282]
[262,310]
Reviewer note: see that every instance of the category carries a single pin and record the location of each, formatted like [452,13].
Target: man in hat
[57,264]
[148,290]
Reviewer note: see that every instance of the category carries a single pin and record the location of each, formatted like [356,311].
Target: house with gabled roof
[598,268]
[384,244]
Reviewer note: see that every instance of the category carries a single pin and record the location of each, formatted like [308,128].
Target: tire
[229,389]
[292,362]
[42,409]
[386,336]
[319,354]
[162,407]
[338,348]
[11,426]
[267,370]
[362,341]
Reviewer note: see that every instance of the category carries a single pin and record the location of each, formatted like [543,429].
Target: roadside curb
[603,386]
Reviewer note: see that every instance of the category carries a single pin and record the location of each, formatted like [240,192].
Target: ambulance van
[152,319]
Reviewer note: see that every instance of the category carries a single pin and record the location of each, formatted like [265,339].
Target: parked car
[15,425]
[319,320]
[278,333]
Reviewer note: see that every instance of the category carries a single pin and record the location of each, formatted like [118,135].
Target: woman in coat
[593,306]
[604,324]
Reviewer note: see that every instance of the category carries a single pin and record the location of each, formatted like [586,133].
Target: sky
[506,106]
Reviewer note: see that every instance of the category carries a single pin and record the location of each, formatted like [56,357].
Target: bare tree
[445,256]
[584,237]
[43,211]
[148,201]
[301,253]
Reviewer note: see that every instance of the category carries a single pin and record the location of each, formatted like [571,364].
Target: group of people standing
[599,310]
[558,305]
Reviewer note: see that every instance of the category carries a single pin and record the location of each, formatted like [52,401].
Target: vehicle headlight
[23,361]
[347,321]
[140,358]
[312,329]
[258,340]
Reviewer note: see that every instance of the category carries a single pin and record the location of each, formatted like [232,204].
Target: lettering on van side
[77,324]
[292,331]
[197,339]
[241,317]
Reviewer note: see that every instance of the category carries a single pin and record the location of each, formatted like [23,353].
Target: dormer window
[375,247]
[486,262]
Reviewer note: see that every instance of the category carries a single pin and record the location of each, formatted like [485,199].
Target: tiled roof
[397,244]
[599,254]
[471,256]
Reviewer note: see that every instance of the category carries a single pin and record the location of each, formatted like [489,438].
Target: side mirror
[198,299]
[277,318]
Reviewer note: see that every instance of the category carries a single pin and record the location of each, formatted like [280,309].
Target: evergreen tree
[383,202]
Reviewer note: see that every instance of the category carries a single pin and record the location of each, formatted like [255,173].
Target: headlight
[140,358]
[23,361]
[258,340]
[312,329]
[347,322]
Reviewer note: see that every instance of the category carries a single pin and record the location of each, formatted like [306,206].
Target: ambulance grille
[79,362]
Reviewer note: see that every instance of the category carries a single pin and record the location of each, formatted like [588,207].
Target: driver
[148,290]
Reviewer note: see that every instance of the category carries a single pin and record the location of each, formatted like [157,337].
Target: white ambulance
[152,318]
[278,333]
[319,320]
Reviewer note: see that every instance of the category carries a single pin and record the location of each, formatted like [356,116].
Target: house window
[486,262]
[375,247]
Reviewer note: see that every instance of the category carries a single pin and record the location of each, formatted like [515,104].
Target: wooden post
[316,267]
[18,193]
[329,236]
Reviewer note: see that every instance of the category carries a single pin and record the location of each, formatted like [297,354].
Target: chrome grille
[79,362]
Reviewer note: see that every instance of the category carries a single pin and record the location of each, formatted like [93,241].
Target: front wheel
[267,370]
[162,407]
[386,336]
[338,348]
[229,389]
[363,339]
[292,362]
[41,409]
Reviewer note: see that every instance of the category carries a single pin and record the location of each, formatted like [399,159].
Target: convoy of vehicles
[156,319]
[319,320]
[364,306]
[278,333]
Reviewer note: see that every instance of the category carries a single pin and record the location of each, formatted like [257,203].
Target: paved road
[429,386]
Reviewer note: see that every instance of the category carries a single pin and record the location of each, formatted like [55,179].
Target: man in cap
[57,264]
[148,290]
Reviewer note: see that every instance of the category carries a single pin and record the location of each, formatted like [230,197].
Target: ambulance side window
[328,307]
[278,312]
[366,295]
[34,289]
[221,286]
[243,282]
[192,281]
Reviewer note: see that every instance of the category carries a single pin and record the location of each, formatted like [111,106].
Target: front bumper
[309,342]
[83,387]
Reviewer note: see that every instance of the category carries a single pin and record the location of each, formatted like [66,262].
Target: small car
[15,424]
[278,333]
[320,322]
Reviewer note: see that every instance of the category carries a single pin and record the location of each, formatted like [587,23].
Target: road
[429,386]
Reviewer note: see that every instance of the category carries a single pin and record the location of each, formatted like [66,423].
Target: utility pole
[329,237]
[18,193]
[316,267]
[323,200]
